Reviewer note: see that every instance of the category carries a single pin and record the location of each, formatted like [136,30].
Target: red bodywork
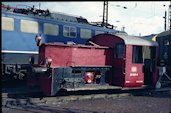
[125,73]
[63,55]
[133,75]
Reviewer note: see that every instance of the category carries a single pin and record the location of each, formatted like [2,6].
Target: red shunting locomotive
[110,60]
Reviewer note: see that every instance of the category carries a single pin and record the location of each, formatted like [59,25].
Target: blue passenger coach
[21,26]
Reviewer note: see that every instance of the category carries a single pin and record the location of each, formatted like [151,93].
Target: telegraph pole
[169,16]
[105,14]
[165,20]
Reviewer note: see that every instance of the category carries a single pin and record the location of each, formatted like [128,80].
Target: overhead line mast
[170,16]
[105,14]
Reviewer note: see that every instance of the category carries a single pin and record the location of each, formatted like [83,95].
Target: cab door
[118,77]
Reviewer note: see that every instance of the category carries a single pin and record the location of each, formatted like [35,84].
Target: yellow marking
[154,38]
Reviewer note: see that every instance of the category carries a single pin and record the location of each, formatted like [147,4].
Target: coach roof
[134,40]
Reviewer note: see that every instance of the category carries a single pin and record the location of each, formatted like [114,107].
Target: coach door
[149,55]
[135,75]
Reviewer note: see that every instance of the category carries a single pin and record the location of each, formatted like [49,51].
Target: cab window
[7,23]
[98,32]
[137,56]
[69,31]
[28,26]
[51,29]
[85,33]
[119,50]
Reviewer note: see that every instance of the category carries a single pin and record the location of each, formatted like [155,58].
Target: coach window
[98,32]
[146,53]
[137,56]
[7,23]
[120,50]
[69,31]
[50,29]
[85,33]
[28,26]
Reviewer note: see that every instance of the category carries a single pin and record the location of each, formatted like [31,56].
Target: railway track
[55,100]
[66,96]
[20,95]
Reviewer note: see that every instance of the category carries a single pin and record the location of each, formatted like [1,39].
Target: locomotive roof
[67,17]
[165,33]
[134,40]
[51,15]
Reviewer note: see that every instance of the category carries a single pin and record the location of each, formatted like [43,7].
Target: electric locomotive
[20,26]
[164,55]
[164,41]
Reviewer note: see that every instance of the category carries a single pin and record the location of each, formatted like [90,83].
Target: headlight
[38,39]
[48,61]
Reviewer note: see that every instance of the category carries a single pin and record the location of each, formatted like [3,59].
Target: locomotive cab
[132,58]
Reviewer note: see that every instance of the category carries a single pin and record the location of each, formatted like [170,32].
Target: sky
[139,19]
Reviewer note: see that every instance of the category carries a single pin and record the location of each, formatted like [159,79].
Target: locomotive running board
[94,87]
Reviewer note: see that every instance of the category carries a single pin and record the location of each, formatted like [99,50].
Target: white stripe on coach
[29,52]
